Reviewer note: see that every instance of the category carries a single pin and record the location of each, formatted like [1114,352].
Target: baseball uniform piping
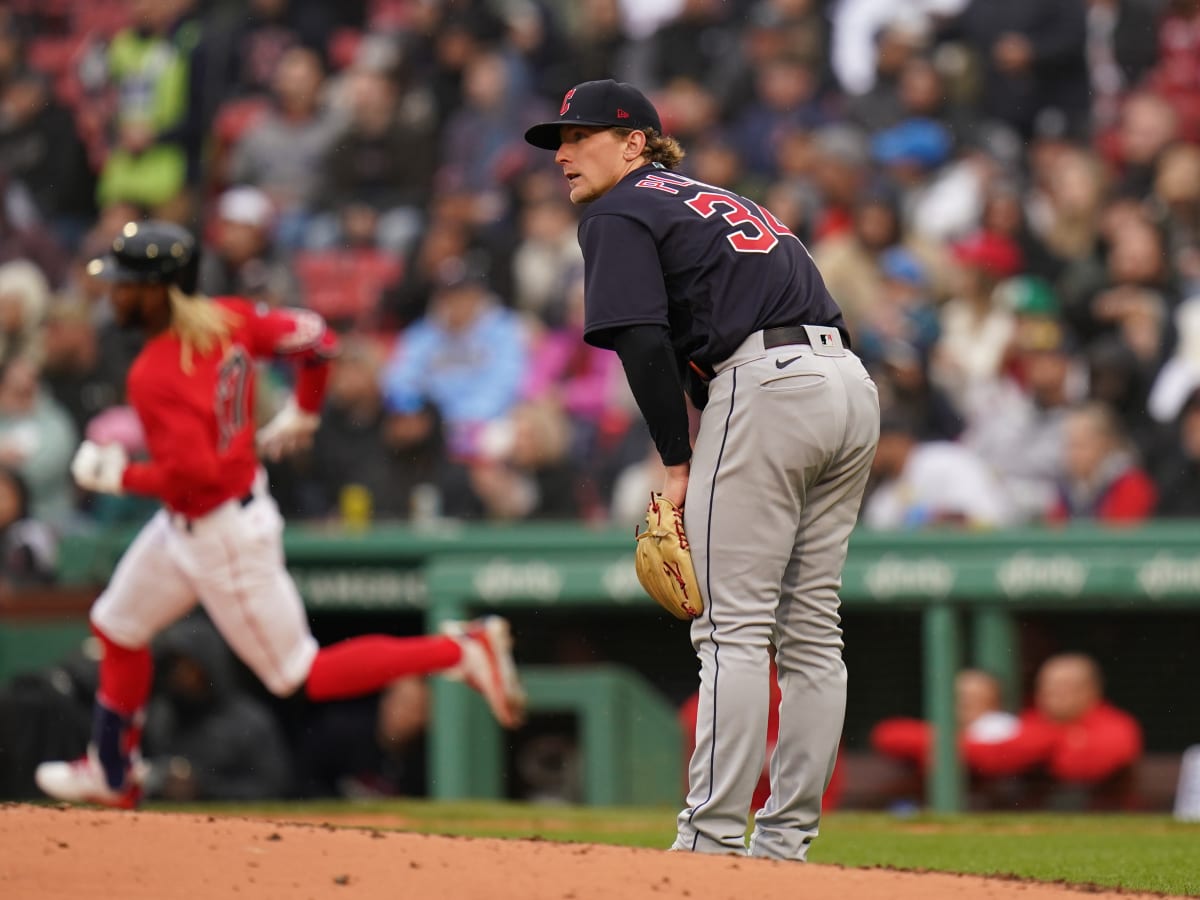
[712,755]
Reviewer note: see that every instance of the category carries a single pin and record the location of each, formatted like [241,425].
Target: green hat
[1029,295]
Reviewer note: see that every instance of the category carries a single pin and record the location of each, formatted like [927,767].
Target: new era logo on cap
[606,104]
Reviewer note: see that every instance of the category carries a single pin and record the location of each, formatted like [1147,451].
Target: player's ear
[635,143]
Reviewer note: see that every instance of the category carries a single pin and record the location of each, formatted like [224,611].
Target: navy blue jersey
[712,266]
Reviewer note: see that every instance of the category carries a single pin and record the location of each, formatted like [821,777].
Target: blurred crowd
[1003,197]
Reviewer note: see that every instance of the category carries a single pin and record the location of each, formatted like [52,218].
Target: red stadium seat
[54,55]
[346,284]
[102,17]
[343,46]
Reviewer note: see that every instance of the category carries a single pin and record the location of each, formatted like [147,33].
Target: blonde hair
[200,325]
[660,148]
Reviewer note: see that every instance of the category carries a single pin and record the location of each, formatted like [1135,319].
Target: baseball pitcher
[748,537]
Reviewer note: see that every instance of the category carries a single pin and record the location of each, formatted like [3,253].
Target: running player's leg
[253,601]
[147,592]
[812,676]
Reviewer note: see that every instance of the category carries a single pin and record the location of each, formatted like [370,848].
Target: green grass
[1138,853]
[1144,853]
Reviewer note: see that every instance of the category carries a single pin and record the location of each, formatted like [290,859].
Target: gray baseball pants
[778,474]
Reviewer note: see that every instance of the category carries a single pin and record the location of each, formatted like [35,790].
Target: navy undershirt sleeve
[623,279]
[653,374]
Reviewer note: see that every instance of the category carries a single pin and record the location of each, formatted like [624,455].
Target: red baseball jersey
[200,424]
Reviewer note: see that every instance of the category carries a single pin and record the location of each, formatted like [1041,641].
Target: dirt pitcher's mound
[74,854]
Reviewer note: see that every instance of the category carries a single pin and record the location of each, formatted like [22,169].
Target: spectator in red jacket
[1076,749]
[1093,739]
[1101,478]
[982,722]
[1071,748]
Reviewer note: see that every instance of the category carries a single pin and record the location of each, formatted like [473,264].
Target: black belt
[186,522]
[784,335]
[779,336]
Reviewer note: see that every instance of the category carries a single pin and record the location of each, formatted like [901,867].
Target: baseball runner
[687,281]
[218,537]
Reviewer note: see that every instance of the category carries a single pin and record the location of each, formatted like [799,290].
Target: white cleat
[488,666]
[82,781]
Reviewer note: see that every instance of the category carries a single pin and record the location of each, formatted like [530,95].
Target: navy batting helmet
[151,252]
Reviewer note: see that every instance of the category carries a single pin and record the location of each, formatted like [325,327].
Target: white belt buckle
[825,341]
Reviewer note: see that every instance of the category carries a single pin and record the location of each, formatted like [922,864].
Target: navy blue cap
[607,103]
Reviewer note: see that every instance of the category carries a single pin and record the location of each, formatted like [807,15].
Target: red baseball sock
[125,679]
[125,676]
[363,665]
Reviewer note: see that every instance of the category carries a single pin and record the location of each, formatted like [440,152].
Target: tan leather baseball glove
[664,560]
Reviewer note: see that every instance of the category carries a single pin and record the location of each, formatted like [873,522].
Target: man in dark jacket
[1032,57]
[206,737]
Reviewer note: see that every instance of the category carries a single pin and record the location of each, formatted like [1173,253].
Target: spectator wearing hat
[905,312]
[466,356]
[911,147]
[1015,422]
[241,261]
[1101,479]
[849,261]
[976,331]
[932,483]
[910,152]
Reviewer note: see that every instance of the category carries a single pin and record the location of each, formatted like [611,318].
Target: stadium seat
[346,284]
[54,55]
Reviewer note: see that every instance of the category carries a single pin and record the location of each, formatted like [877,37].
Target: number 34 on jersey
[755,229]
